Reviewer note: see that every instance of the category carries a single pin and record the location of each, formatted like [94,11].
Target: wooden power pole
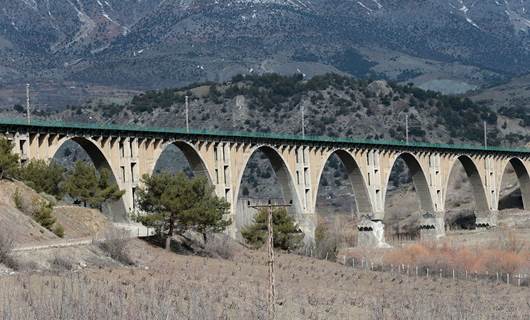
[270,250]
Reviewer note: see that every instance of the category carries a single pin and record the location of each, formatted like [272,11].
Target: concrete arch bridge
[130,152]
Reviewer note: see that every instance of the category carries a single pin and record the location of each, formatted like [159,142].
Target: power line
[270,251]
[187,116]
[302,109]
[28,108]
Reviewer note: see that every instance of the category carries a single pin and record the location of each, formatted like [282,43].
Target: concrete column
[432,226]
[486,219]
[371,233]
[308,224]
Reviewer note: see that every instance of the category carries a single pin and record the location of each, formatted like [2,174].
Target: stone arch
[192,155]
[523,177]
[116,210]
[479,193]
[283,173]
[419,179]
[356,177]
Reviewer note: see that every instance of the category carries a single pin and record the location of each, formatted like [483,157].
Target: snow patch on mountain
[519,22]
[464,9]
[32,4]
[87,24]
[291,3]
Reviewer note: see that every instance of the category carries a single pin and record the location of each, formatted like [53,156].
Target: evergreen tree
[105,190]
[286,234]
[43,176]
[86,186]
[43,214]
[8,160]
[176,203]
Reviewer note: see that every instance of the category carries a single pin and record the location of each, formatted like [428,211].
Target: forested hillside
[334,105]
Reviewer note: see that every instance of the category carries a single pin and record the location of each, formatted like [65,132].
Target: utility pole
[270,250]
[28,109]
[485,135]
[407,128]
[302,109]
[187,116]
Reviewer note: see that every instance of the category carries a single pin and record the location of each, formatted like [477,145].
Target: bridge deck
[129,130]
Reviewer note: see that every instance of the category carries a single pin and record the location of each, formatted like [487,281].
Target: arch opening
[82,149]
[464,195]
[179,156]
[340,201]
[407,198]
[515,186]
[265,177]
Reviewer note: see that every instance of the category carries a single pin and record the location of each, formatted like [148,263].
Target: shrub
[6,249]
[17,198]
[59,230]
[43,214]
[8,160]
[326,243]
[220,246]
[286,234]
[61,263]
[479,259]
[115,245]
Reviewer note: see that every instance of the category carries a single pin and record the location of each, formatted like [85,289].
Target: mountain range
[448,45]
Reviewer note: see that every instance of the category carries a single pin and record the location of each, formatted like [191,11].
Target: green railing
[251,135]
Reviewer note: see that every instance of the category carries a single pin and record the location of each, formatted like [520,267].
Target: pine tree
[286,234]
[43,176]
[8,160]
[85,185]
[105,190]
[176,203]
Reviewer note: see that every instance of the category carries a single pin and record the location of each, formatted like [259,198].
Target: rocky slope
[450,45]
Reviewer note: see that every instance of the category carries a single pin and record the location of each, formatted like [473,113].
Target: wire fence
[419,271]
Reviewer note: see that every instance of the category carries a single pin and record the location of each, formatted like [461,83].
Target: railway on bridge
[132,151]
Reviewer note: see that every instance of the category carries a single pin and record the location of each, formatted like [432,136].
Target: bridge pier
[432,226]
[486,219]
[371,233]
[308,224]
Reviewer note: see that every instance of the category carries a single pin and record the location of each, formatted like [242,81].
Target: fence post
[466,274]
[416,271]
[508,278]
[497,276]
[453,274]
[518,280]
[427,272]
[353,263]
[440,273]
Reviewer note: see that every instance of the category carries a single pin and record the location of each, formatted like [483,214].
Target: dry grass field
[165,285]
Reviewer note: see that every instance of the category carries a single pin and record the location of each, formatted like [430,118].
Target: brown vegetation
[506,255]
[169,286]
